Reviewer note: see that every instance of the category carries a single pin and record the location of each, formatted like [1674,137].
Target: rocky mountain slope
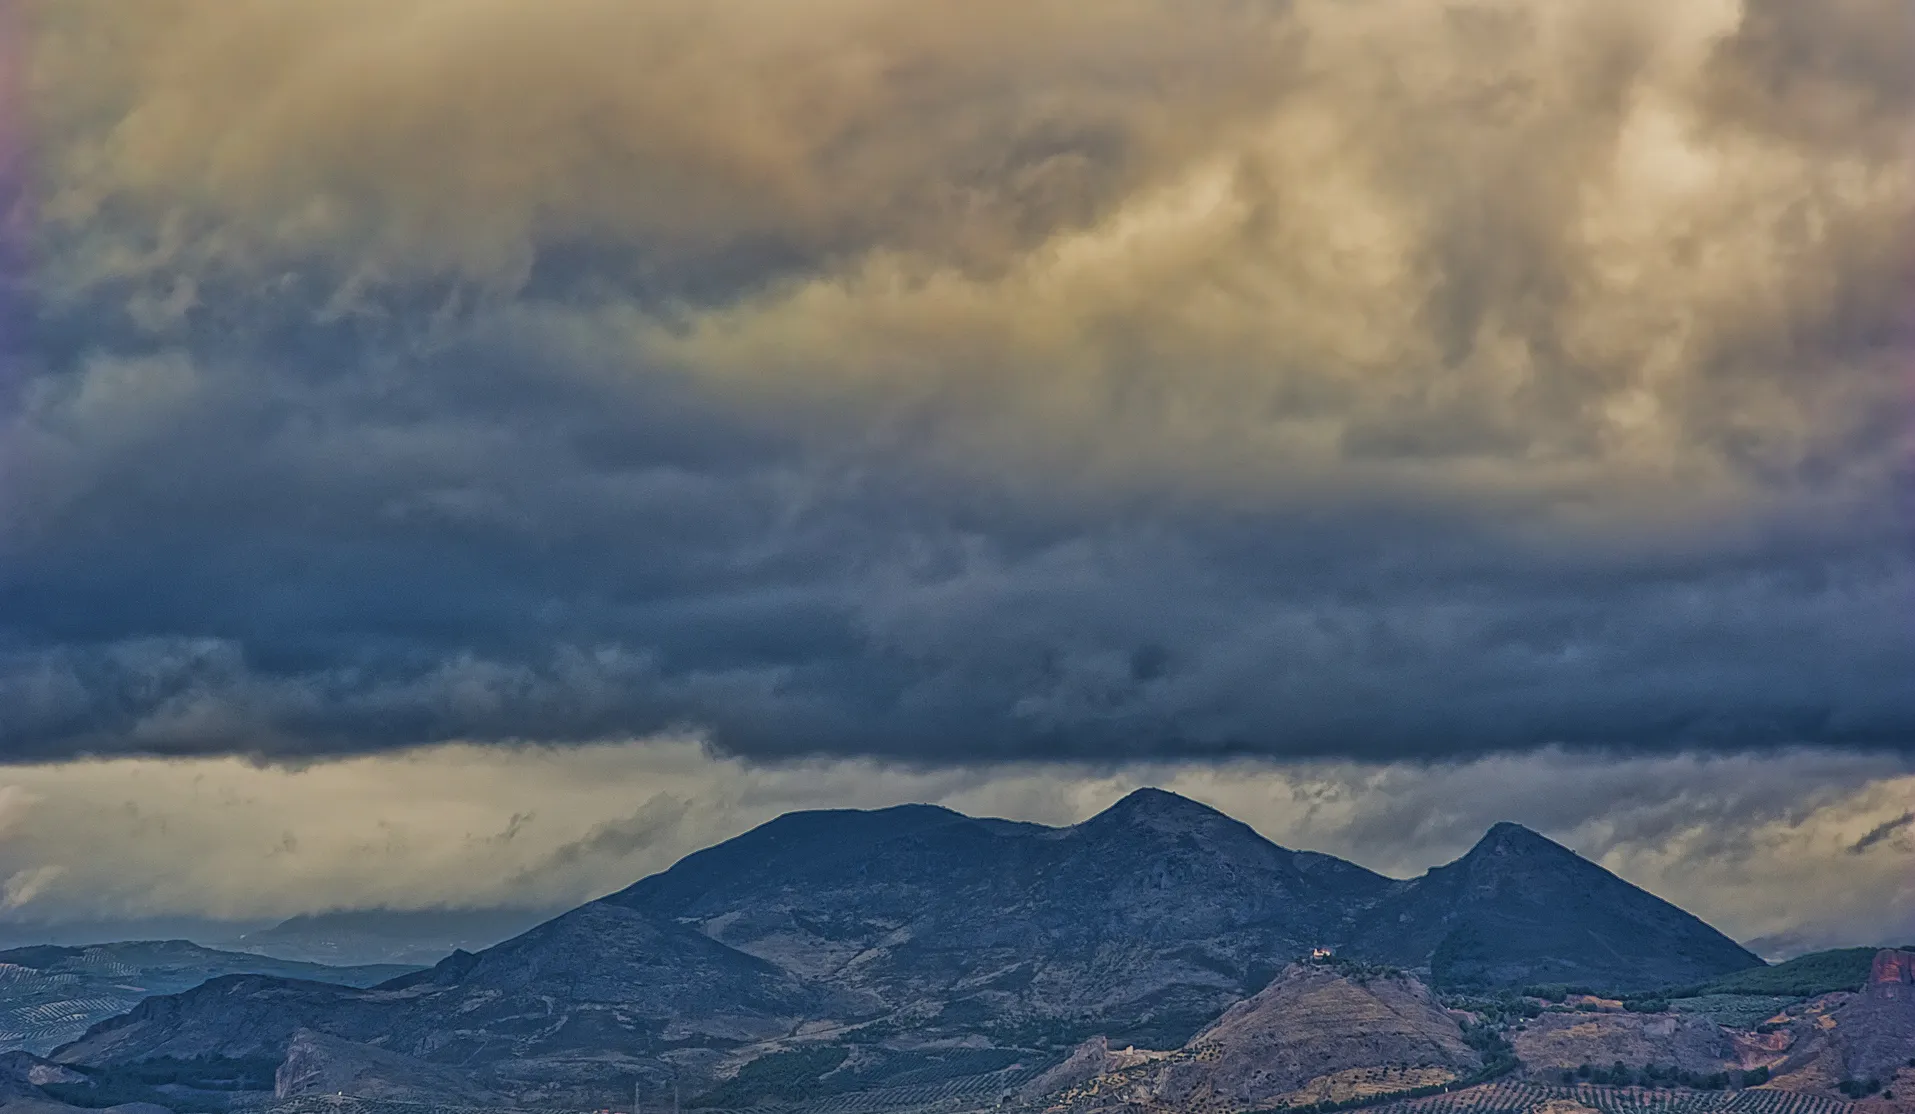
[870,941]
[1155,914]
[316,1064]
[1862,1037]
[51,995]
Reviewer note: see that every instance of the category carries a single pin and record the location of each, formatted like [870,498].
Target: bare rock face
[1317,1023]
[317,1064]
[1891,974]
[1637,1040]
[1876,1031]
[1867,1034]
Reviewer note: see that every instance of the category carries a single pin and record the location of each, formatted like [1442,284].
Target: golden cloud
[1523,255]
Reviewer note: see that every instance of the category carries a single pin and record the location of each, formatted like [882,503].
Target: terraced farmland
[1515,1098]
[949,1096]
[329,1104]
[964,1093]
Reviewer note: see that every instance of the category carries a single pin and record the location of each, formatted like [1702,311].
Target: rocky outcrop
[1868,1034]
[1316,1023]
[1892,973]
[1314,1034]
[1876,1031]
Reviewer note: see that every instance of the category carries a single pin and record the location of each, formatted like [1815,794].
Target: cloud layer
[1366,381]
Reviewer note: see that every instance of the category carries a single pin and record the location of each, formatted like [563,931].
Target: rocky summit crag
[860,949]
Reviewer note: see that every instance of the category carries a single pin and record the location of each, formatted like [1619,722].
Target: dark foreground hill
[916,943]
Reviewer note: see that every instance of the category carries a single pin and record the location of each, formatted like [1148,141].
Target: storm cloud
[1028,381]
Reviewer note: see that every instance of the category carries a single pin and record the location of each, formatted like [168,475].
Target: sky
[1376,417]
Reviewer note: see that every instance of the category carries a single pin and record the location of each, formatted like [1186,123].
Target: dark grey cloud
[1140,398]
[1882,832]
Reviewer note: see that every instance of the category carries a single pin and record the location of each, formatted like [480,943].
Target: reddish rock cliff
[1892,974]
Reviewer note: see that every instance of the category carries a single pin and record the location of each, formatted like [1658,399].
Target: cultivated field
[1515,1098]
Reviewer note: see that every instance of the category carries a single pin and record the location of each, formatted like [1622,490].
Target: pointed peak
[1510,838]
[1151,802]
[1160,810]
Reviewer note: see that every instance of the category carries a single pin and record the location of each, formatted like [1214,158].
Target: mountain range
[49,995]
[413,937]
[917,943]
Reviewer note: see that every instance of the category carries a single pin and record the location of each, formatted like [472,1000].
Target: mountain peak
[1507,838]
[1160,817]
[1157,807]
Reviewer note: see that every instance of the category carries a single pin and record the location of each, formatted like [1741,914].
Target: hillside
[1803,976]
[1320,1033]
[1317,1033]
[1520,909]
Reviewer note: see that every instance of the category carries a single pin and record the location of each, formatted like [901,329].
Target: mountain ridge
[911,928]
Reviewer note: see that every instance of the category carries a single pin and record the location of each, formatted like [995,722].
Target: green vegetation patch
[1660,1075]
[1737,1011]
[214,1077]
[1801,977]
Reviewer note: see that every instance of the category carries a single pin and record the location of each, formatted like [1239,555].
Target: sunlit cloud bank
[1775,849]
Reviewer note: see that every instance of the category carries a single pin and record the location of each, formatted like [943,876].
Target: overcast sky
[1481,409]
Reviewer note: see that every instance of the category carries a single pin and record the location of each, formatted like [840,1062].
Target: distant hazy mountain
[904,934]
[50,995]
[418,937]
